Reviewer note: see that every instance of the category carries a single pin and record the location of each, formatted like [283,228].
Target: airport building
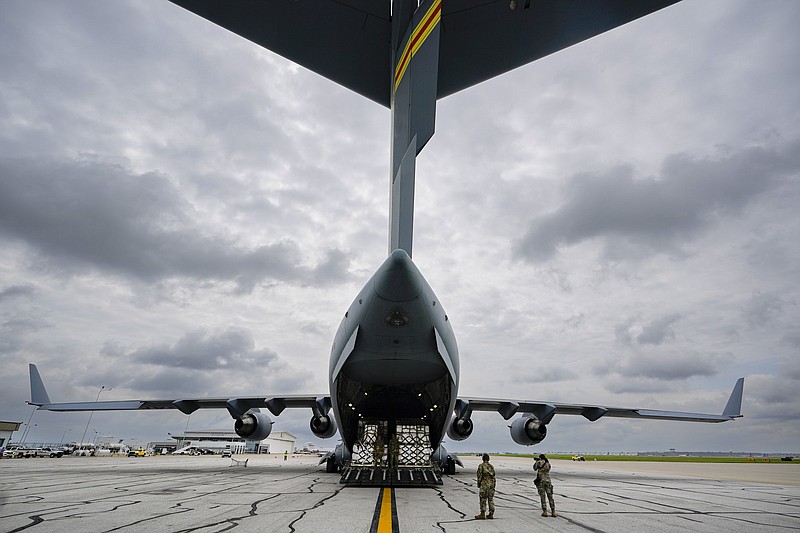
[219,439]
[6,430]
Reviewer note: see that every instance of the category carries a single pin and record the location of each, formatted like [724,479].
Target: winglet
[38,392]
[733,408]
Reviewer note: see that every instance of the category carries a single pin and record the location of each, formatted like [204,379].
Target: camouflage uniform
[394,452]
[486,483]
[377,453]
[545,486]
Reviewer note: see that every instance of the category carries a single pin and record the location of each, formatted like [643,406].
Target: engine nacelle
[323,427]
[528,431]
[459,428]
[253,425]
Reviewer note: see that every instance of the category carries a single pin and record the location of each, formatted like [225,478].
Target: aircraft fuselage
[394,357]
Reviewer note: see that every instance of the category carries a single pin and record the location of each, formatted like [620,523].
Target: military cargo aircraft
[394,365]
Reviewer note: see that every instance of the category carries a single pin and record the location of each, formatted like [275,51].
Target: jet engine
[323,426]
[528,430]
[459,428]
[253,425]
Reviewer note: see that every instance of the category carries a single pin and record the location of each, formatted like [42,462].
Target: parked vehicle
[137,453]
[84,450]
[10,452]
[186,450]
[49,452]
[226,453]
[24,452]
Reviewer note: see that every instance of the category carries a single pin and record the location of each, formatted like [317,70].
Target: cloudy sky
[183,213]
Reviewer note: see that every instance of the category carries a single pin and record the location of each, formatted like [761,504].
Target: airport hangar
[6,430]
[277,442]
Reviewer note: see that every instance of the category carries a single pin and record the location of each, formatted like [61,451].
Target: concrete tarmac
[205,494]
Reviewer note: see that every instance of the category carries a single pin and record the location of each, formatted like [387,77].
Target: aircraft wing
[346,41]
[237,407]
[483,39]
[349,41]
[545,411]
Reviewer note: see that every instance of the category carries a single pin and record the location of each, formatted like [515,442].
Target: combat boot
[490,515]
[553,513]
[544,513]
[481,516]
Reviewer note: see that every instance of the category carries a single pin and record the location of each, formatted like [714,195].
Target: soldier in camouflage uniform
[394,451]
[486,484]
[544,485]
[377,452]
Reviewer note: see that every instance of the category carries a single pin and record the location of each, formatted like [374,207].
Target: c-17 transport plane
[394,366]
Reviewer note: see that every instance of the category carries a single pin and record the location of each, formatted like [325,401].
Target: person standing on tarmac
[486,483]
[544,485]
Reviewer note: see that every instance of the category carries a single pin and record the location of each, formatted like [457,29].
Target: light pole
[27,432]
[64,435]
[28,425]
[92,413]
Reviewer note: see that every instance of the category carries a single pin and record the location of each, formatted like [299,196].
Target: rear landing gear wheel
[330,466]
[450,469]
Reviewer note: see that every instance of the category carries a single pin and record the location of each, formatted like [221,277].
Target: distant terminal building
[219,439]
[6,429]
[162,446]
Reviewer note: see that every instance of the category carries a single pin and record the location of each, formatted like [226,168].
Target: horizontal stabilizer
[349,41]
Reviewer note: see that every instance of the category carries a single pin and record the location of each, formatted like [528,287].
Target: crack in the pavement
[441,523]
[320,503]
[234,521]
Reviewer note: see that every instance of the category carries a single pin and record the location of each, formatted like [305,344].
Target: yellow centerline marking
[385,519]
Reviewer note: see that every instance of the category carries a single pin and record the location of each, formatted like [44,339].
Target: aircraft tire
[330,466]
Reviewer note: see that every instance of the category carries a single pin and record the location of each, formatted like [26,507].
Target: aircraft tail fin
[416,68]
[733,408]
[38,392]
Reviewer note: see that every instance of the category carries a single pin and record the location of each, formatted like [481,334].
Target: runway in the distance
[204,494]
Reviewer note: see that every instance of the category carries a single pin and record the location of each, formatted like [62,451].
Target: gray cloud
[201,350]
[15,331]
[771,398]
[762,309]
[544,374]
[659,330]
[637,385]
[622,332]
[655,215]
[16,291]
[200,363]
[670,365]
[791,368]
[76,214]
[656,332]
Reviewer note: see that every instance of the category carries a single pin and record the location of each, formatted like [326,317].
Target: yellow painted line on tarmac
[385,519]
